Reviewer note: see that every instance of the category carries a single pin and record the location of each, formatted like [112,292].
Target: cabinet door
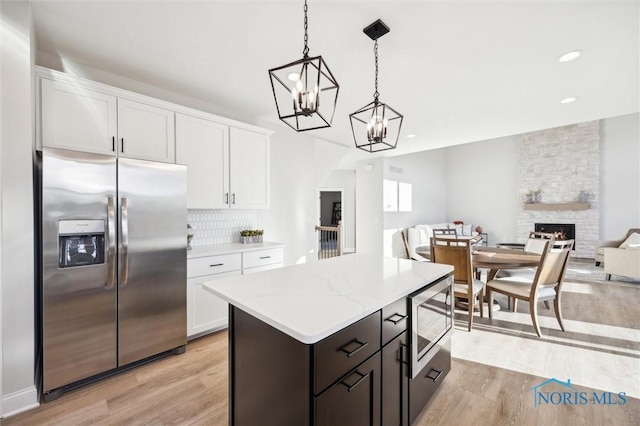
[249,169]
[205,311]
[395,382]
[145,132]
[354,400]
[77,118]
[203,146]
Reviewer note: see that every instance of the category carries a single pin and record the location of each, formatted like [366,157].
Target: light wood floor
[191,389]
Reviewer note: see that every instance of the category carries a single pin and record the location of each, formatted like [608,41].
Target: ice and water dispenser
[81,243]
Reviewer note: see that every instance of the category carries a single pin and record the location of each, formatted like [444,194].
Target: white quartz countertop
[314,300]
[216,249]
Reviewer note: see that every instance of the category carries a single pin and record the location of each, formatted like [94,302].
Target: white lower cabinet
[262,260]
[205,311]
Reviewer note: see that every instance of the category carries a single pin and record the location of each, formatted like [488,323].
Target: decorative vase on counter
[190,234]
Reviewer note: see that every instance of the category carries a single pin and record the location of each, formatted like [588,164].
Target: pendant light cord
[305,51]
[376,95]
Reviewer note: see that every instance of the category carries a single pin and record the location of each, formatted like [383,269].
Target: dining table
[494,259]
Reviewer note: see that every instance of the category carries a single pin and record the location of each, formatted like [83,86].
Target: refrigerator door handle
[124,237]
[111,235]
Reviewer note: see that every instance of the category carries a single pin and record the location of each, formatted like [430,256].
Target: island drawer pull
[356,350]
[216,264]
[360,380]
[265,257]
[432,377]
[396,321]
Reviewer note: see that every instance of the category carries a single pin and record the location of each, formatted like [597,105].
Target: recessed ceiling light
[294,76]
[412,135]
[570,56]
[568,100]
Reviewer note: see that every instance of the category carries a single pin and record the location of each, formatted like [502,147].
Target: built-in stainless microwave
[431,321]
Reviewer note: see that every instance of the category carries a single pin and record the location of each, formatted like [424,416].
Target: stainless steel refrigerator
[113,263]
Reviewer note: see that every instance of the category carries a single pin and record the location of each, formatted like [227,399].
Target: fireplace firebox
[563,231]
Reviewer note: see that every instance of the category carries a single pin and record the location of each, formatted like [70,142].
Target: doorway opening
[330,237]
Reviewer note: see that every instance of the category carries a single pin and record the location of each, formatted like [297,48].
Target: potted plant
[248,236]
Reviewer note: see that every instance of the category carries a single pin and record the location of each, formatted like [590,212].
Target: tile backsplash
[220,226]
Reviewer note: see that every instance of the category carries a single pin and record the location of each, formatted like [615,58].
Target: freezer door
[78,266]
[152,262]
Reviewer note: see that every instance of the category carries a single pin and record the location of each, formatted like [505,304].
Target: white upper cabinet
[145,132]
[203,146]
[227,161]
[227,166]
[78,118]
[249,169]
[84,116]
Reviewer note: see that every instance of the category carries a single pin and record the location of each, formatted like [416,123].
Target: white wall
[294,190]
[482,177]
[481,180]
[369,217]
[619,176]
[425,171]
[17,231]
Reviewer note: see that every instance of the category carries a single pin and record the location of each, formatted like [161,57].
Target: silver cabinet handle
[234,198]
[216,264]
[111,250]
[226,198]
[265,257]
[124,253]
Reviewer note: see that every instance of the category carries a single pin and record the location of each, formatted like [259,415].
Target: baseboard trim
[19,401]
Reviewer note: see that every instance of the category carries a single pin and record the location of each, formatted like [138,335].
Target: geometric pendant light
[305,91]
[376,126]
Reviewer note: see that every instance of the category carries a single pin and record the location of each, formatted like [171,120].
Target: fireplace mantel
[556,206]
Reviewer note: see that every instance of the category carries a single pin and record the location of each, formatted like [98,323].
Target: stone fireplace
[561,163]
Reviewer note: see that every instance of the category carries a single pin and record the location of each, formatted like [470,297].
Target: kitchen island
[324,342]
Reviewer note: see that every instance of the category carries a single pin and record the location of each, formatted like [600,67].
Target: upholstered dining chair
[536,243]
[458,254]
[546,284]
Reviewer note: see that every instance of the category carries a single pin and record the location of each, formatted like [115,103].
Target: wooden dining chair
[546,284]
[458,254]
[447,232]
[536,243]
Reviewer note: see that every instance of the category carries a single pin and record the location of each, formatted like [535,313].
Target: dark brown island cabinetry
[356,376]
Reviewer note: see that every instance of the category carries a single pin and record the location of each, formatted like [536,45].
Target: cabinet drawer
[213,265]
[341,352]
[394,320]
[251,259]
[425,384]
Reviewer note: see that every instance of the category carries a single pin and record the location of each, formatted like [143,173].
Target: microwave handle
[124,237]
[111,249]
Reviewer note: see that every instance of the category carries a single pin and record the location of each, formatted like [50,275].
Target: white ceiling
[458,71]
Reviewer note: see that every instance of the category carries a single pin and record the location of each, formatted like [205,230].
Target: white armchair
[622,261]
[625,259]
[604,244]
